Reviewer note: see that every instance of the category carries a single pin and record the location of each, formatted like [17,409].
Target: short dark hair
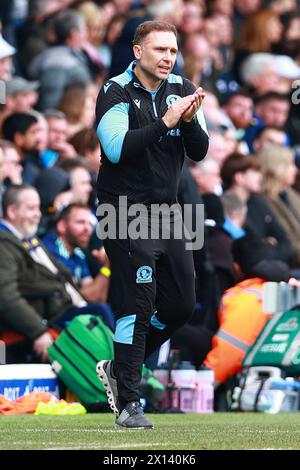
[11,195]
[64,214]
[64,22]
[148,26]
[54,113]
[17,122]
[84,140]
[267,128]
[231,202]
[242,92]
[237,163]
[271,95]
[70,164]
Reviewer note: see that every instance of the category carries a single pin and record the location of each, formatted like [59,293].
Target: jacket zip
[137,85]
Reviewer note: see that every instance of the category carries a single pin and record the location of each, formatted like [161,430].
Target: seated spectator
[264,72]
[86,144]
[68,243]
[32,35]
[94,20]
[69,181]
[241,175]
[235,212]
[28,135]
[290,38]
[271,109]
[21,95]
[80,182]
[279,174]
[198,61]
[240,313]
[239,108]
[220,146]
[192,18]
[261,30]
[78,104]
[64,64]
[270,135]
[207,175]
[6,59]
[58,146]
[36,291]
[12,168]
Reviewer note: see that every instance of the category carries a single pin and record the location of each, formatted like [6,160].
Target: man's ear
[137,50]
[255,145]
[18,139]
[238,177]
[61,227]
[11,212]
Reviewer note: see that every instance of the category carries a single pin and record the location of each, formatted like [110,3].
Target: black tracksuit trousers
[153,294]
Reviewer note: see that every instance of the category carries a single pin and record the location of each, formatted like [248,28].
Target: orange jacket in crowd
[241,319]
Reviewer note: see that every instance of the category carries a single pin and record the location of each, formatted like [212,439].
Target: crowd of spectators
[54,57]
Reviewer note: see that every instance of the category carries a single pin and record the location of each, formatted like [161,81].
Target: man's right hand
[41,345]
[177,109]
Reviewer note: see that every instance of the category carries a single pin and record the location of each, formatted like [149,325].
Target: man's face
[33,139]
[57,131]
[5,68]
[192,20]
[12,167]
[208,178]
[25,215]
[199,53]
[93,158]
[247,6]
[274,112]
[250,180]
[77,228]
[211,32]
[240,111]
[22,102]
[81,187]
[157,55]
[269,136]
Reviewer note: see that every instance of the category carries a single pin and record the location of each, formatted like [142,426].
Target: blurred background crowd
[54,57]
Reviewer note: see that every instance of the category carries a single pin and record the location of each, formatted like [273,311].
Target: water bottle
[162,374]
[205,390]
[290,389]
[184,394]
[184,375]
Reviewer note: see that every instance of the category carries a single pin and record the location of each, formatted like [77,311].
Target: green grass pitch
[192,431]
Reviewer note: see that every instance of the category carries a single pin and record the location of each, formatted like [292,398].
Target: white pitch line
[121,446]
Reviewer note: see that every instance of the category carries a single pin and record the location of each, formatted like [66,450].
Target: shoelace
[135,409]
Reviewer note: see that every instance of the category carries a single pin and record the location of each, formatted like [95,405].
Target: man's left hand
[190,113]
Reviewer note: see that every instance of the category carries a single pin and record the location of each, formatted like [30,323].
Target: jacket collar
[8,227]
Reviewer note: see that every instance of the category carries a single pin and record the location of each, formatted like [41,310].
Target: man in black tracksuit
[147,119]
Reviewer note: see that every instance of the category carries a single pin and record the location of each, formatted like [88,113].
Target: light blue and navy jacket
[141,157]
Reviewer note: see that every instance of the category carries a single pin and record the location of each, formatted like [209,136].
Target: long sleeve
[117,140]
[15,311]
[195,136]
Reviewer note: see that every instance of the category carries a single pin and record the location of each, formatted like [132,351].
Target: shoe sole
[103,378]
[119,427]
